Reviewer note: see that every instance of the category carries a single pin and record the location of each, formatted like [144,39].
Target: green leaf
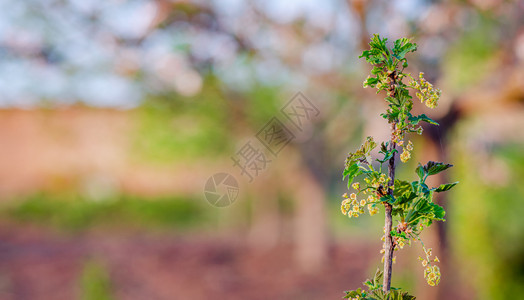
[399,295]
[369,284]
[402,187]
[377,279]
[438,211]
[414,120]
[446,187]
[352,294]
[403,192]
[425,209]
[378,52]
[423,188]
[388,198]
[376,70]
[432,168]
[387,155]
[371,82]
[396,234]
[402,46]
[363,154]
[351,172]
[384,147]
[420,171]
[392,100]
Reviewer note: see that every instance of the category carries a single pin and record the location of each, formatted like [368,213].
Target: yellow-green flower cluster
[431,272]
[352,207]
[426,91]
[376,182]
[405,156]
[398,135]
[406,153]
[432,275]
[399,241]
[372,208]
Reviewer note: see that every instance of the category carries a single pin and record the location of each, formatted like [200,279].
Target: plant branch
[388,222]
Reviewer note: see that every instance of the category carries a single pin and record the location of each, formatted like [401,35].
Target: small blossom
[401,244]
[409,147]
[343,210]
[405,156]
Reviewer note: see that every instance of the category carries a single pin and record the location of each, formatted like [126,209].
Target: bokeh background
[114,114]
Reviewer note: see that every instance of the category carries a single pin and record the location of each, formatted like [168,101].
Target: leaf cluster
[356,162]
[387,74]
[374,291]
[413,201]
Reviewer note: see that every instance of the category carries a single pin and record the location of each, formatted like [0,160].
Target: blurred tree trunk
[436,148]
[265,214]
[310,200]
[310,224]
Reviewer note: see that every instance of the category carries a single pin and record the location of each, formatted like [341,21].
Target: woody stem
[388,255]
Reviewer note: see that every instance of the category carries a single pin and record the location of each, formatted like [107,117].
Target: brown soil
[39,265]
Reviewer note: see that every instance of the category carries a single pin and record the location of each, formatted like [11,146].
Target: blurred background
[114,115]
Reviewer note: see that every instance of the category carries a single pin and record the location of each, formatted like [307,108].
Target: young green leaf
[363,154]
[402,46]
[414,120]
[432,168]
[388,198]
[351,172]
[445,187]
[371,82]
[420,171]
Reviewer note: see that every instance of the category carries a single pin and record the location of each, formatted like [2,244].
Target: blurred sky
[112,53]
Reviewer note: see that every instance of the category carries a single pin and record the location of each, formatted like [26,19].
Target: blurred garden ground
[114,114]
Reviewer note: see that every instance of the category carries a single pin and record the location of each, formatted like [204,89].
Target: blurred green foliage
[175,128]
[95,282]
[77,213]
[486,226]
[469,60]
